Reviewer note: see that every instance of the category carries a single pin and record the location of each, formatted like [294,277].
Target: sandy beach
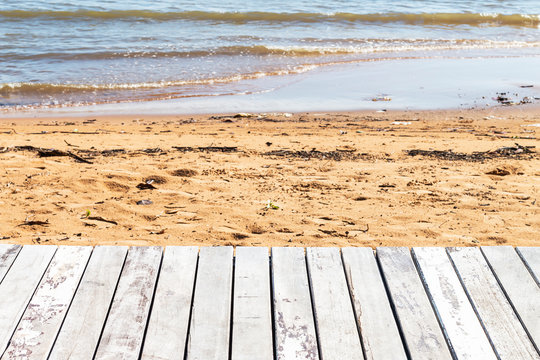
[403,178]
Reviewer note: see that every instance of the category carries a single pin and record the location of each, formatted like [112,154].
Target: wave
[166,89]
[472,19]
[45,89]
[359,46]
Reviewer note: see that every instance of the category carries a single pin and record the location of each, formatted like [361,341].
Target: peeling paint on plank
[43,317]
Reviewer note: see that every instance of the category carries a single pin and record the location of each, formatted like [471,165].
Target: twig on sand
[68,144]
[99,218]
[54,152]
[34,222]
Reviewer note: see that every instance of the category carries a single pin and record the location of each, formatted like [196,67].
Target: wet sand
[332,179]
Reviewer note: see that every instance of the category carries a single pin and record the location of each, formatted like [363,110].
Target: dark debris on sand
[225,149]
[336,155]
[515,152]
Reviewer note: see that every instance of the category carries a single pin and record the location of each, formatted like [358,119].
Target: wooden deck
[72,302]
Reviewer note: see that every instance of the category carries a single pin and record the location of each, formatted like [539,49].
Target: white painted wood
[252,315]
[419,325]
[124,329]
[518,285]
[380,334]
[294,324]
[531,257]
[334,316]
[462,326]
[168,325]
[8,253]
[37,330]
[19,285]
[211,313]
[89,308]
[503,327]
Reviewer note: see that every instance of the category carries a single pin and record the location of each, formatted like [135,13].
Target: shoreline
[338,178]
[398,84]
[27,117]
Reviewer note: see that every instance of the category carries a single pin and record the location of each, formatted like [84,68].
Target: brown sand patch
[116,186]
[157,179]
[184,172]
[337,180]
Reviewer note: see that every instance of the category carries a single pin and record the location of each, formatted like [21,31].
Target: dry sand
[338,180]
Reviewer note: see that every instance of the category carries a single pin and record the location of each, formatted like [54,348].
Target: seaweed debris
[517,152]
[336,155]
[225,149]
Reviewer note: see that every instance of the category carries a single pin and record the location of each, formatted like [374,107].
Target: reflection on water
[57,54]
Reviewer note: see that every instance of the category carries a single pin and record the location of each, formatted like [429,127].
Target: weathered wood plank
[252,315]
[531,257]
[294,324]
[380,334]
[90,305]
[503,327]
[124,329]
[211,313]
[462,326]
[334,316]
[8,253]
[19,285]
[419,325]
[518,285]
[167,328]
[37,330]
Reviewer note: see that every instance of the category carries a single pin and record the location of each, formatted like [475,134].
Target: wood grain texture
[531,257]
[334,315]
[455,312]
[124,328]
[252,315]
[519,286]
[503,327]
[8,253]
[89,308]
[19,285]
[294,324]
[37,330]
[419,325]
[211,314]
[167,328]
[380,335]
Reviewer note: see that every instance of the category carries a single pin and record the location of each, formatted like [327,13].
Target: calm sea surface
[85,52]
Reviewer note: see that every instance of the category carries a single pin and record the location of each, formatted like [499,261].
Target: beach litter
[146,185]
[145,202]
[270,205]
[243,115]
[505,99]
[401,123]
[381,98]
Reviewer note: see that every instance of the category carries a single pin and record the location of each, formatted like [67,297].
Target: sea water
[207,55]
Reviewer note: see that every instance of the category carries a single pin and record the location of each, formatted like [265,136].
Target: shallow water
[54,53]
